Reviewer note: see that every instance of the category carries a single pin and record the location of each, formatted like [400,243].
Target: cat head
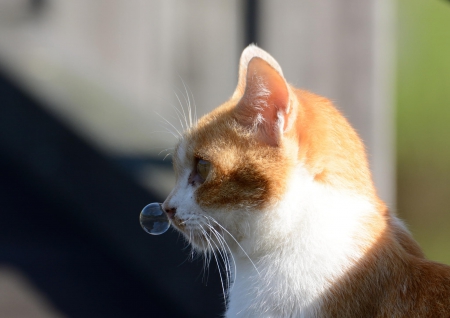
[238,164]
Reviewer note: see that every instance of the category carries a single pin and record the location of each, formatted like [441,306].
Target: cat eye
[203,168]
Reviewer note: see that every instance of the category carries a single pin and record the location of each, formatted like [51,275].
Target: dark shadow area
[79,277]
[69,221]
[251,9]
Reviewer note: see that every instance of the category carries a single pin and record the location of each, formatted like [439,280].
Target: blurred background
[86,88]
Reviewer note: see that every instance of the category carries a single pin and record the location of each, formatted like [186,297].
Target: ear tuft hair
[265,104]
[247,55]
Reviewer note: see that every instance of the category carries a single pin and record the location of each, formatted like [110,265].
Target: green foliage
[423,123]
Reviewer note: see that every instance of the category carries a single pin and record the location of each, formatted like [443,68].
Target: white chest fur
[299,248]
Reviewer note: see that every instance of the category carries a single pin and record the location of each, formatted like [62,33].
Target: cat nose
[170,212]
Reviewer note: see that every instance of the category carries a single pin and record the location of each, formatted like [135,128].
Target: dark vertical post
[251,22]
[37,5]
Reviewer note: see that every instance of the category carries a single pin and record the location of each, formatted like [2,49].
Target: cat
[276,183]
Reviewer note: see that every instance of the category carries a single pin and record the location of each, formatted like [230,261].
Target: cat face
[232,162]
[235,166]
[224,174]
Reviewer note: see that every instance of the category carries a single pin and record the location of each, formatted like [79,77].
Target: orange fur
[254,143]
[391,282]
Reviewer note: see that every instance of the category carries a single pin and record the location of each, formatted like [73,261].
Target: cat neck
[301,246]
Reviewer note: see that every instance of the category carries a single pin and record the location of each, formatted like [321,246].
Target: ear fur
[265,104]
[250,52]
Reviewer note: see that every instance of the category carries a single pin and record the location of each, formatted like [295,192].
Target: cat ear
[250,52]
[265,103]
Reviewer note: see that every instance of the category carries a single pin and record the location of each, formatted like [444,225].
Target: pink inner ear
[265,102]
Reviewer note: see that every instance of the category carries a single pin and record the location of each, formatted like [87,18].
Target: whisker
[168,152]
[224,254]
[231,235]
[177,112]
[182,109]
[188,102]
[180,135]
[166,149]
[224,245]
[195,107]
[185,97]
[188,219]
[205,235]
[189,93]
[192,253]
[206,264]
[226,248]
[166,131]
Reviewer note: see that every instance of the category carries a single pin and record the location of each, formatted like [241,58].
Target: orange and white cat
[276,182]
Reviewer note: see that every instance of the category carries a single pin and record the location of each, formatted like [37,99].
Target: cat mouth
[179,224]
[209,230]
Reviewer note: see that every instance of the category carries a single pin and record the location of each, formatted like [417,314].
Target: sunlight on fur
[274,186]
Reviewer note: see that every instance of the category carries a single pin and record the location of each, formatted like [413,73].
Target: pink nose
[170,212]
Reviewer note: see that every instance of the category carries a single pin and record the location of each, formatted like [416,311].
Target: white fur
[182,195]
[252,51]
[299,247]
[287,256]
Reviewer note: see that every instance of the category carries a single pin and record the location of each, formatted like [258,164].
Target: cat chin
[204,239]
[201,245]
